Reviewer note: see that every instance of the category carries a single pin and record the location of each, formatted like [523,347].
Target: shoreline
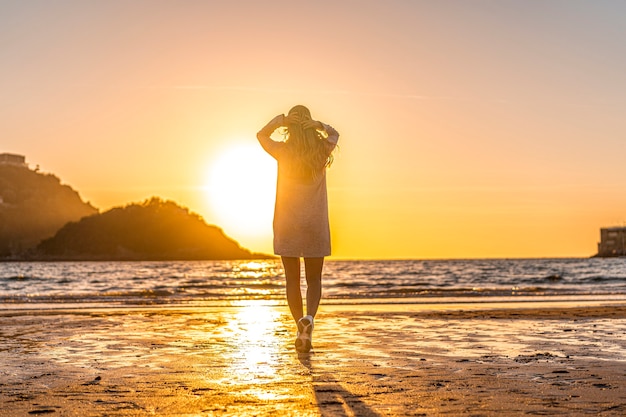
[368,360]
[369,304]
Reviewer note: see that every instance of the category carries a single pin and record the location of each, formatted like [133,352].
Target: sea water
[32,284]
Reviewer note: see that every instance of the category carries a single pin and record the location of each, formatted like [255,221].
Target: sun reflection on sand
[255,358]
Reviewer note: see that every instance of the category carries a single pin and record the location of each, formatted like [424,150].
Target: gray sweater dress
[301,227]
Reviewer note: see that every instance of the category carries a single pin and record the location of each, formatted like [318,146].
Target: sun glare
[255,327]
[241,190]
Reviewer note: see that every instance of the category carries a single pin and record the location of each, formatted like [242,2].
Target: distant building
[612,242]
[12,159]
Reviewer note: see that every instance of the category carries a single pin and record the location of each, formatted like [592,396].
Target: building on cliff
[12,159]
[612,242]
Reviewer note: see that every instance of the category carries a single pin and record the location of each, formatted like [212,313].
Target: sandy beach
[368,360]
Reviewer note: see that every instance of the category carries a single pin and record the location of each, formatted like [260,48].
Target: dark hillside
[33,206]
[153,230]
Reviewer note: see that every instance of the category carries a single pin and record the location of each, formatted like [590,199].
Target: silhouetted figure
[301,228]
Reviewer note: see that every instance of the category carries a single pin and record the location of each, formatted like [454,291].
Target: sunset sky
[468,128]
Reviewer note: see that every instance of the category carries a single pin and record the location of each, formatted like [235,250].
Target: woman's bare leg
[294,296]
[313,269]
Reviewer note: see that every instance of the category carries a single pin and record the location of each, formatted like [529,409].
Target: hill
[152,230]
[33,206]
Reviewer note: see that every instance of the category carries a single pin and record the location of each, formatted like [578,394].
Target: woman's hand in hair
[291,119]
[312,124]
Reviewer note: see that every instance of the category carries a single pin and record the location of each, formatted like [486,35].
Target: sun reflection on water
[255,269]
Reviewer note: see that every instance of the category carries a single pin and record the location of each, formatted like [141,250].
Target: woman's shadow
[331,397]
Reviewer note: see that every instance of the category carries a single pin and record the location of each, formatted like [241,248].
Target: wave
[184,282]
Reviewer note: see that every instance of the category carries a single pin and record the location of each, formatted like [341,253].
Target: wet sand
[398,360]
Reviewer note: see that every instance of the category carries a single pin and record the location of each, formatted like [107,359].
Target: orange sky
[468,128]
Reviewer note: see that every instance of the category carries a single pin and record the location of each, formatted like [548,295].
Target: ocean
[110,284]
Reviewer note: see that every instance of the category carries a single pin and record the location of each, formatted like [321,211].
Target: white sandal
[305,333]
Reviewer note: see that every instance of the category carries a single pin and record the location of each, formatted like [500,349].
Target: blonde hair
[308,147]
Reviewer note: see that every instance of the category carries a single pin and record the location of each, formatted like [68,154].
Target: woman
[301,227]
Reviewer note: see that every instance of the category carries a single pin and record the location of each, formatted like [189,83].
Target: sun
[241,189]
